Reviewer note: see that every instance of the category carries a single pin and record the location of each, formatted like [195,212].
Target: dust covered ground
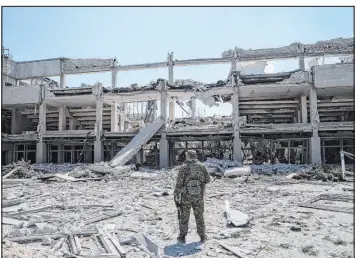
[278,227]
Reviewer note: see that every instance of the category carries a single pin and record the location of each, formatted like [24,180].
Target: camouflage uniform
[191,181]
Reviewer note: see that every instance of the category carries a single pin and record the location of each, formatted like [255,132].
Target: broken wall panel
[30,94]
[334,75]
[320,48]
[74,66]
[41,68]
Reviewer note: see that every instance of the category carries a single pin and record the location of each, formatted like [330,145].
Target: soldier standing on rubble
[189,193]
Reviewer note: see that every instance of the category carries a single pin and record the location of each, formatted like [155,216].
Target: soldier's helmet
[191,155]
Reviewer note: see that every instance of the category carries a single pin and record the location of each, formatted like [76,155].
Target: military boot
[203,239]
[181,240]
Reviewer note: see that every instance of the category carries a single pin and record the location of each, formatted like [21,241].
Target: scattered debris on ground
[66,212]
[324,173]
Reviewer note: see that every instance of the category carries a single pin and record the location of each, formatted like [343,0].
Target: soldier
[189,192]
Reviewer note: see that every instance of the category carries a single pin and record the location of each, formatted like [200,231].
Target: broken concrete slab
[102,217]
[11,221]
[13,202]
[237,171]
[234,217]
[149,244]
[235,250]
[145,134]
[143,175]
[66,178]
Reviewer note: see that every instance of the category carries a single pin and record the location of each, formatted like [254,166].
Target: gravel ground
[278,227]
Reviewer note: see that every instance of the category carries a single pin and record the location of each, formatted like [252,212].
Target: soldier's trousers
[198,208]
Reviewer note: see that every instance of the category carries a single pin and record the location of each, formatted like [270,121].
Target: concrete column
[313,108]
[121,117]
[194,107]
[314,141]
[299,116]
[62,81]
[237,155]
[233,64]
[303,109]
[73,122]
[114,117]
[172,109]
[42,118]
[172,103]
[98,151]
[163,143]
[114,78]
[154,113]
[301,57]
[98,145]
[41,153]
[62,119]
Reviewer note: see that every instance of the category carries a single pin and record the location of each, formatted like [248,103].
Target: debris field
[96,211]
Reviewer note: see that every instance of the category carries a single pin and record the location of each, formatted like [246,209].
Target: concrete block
[334,75]
[29,94]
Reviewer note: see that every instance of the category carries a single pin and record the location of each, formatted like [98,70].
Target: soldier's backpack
[194,186]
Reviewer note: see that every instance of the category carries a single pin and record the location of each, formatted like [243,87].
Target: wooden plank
[348,189]
[59,244]
[78,245]
[34,210]
[34,238]
[102,217]
[105,242]
[327,208]
[10,221]
[16,181]
[12,208]
[72,245]
[11,172]
[235,250]
[12,202]
[117,245]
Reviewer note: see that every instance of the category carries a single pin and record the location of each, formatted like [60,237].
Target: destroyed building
[305,116]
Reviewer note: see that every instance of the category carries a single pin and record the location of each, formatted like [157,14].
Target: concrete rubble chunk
[235,217]
[149,244]
[47,240]
[237,171]
[143,175]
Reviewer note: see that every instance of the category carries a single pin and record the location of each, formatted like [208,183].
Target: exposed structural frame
[62,66]
[298,84]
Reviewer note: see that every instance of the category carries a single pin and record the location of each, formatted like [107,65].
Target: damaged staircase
[145,134]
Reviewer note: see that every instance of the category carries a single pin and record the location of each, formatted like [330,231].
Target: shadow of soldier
[180,250]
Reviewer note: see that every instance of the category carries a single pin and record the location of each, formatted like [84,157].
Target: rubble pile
[324,173]
[14,250]
[55,168]
[274,169]
[206,123]
[137,211]
[221,164]
[19,169]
